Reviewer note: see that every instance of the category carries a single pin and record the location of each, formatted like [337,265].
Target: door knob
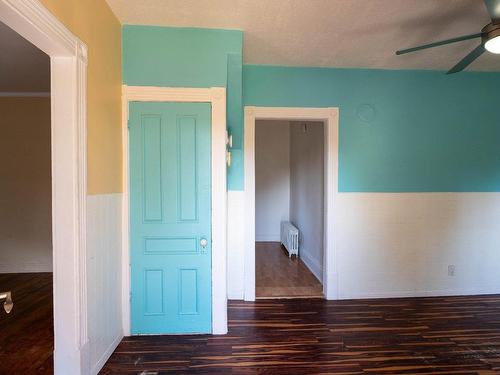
[203,243]
[8,304]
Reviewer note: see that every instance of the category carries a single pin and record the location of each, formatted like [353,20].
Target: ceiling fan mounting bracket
[490,31]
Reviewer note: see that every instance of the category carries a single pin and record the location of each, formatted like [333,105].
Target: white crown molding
[46,32]
[167,94]
[292,113]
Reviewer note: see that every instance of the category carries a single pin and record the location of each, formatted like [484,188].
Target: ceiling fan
[490,39]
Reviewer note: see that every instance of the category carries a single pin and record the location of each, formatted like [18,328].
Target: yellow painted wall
[93,22]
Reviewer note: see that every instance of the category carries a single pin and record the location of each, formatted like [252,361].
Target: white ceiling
[23,67]
[329,33]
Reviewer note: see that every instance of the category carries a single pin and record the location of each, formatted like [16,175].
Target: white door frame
[330,117]
[68,65]
[216,96]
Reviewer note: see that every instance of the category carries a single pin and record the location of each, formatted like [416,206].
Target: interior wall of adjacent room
[272,178]
[25,188]
[307,191]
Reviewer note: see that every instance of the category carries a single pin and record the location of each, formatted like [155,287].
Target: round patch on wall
[366,113]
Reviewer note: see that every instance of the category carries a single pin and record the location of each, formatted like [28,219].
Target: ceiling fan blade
[467,60]
[493,7]
[440,43]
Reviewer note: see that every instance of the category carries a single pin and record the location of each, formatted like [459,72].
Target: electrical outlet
[451,270]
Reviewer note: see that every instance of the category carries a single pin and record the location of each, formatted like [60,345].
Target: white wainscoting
[395,245]
[401,244]
[103,277]
[235,244]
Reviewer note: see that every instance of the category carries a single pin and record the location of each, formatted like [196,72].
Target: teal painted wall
[179,57]
[400,131]
[190,57]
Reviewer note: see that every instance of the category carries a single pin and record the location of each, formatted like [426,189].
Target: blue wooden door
[170,217]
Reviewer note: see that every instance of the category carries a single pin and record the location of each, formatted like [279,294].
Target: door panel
[170,215]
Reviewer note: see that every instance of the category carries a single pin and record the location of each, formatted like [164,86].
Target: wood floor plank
[437,335]
[278,276]
[27,333]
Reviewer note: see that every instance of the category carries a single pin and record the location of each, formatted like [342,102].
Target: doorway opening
[289,215]
[329,118]
[68,108]
[26,250]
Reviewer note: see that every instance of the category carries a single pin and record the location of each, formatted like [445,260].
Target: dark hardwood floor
[27,333]
[449,335]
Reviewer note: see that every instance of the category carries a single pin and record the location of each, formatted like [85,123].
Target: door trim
[330,116]
[216,96]
[68,75]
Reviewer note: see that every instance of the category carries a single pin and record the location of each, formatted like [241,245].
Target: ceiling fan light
[490,34]
[493,45]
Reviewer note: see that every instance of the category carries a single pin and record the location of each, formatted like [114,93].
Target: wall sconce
[229,140]
[229,145]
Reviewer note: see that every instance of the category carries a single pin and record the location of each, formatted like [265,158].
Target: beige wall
[272,178]
[307,191]
[25,185]
[94,23]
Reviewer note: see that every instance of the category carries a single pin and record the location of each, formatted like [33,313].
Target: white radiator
[290,238]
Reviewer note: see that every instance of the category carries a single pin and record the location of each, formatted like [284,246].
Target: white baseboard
[236,294]
[105,356]
[420,293]
[71,360]
[311,263]
[25,267]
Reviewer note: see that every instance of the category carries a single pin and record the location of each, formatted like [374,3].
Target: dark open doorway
[289,208]
[26,250]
